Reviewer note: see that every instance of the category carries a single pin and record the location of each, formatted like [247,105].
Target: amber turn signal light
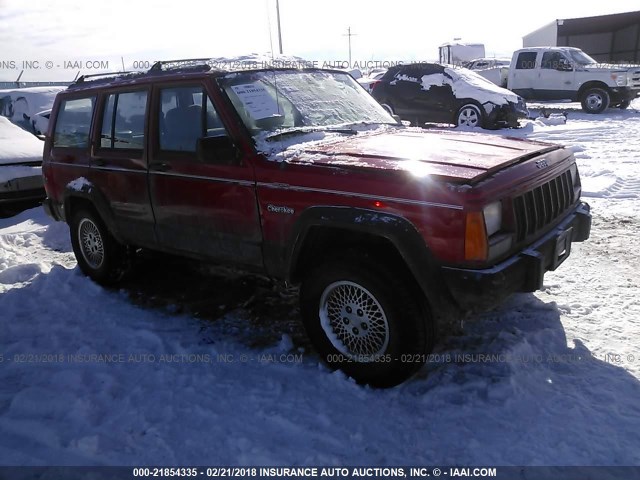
[475,238]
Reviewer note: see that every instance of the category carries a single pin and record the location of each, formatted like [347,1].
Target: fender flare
[83,189]
[401,233]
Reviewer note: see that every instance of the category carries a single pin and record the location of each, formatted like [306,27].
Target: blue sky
[64,32]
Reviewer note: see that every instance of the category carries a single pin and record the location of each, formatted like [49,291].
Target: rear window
[123,121]
[526,61]
[73,123]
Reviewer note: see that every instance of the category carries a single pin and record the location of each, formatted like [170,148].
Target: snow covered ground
[219,371]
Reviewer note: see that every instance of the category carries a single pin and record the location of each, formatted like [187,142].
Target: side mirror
[217,150]
[564,66]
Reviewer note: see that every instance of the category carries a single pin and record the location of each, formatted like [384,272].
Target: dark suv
[299,174]
[429,92]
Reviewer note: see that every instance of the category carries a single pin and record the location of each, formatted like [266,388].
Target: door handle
[159,166]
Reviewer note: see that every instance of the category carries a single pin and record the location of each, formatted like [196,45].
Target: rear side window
[526,61]
[123,121]
[73,123]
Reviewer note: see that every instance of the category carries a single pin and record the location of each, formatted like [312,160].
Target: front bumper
[21,190]
[508,115]
[524,272]
[622,94]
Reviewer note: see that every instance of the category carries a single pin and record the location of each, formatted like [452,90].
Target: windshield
[277,100]
[581,58]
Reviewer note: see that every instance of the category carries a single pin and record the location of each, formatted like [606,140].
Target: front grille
[537,208]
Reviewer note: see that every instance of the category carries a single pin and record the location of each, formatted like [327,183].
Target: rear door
[524,74]
[202,189]
[419,93]
[118,163]
[69,143]
[436,97]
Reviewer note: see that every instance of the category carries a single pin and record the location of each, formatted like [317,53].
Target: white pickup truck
[566,73]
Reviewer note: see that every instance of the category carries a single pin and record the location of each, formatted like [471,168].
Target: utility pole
[279,30]
[349,34]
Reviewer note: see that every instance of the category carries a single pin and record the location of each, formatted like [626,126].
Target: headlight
[620,79]
[493,217]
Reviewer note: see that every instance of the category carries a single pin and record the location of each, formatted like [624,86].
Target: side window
[186,115]
[526,61]
[73,123]
[553,60]
[123,121]
[106,136]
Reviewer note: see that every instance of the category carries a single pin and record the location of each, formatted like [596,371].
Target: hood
[605,67]
[455,156]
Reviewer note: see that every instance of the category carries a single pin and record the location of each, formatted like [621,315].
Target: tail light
[373,85]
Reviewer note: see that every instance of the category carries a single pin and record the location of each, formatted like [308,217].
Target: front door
[202,190]
[556,80]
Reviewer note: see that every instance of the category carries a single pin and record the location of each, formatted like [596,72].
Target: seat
[183,128]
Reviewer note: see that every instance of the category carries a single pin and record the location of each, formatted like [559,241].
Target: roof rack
[203,64]
[107,76]
[83,78]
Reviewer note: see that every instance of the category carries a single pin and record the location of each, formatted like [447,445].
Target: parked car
[301,175]
[29,107]
[20,169]
[370,80]
[429,92]
[567,73]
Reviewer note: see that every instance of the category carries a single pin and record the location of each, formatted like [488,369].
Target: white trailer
[457,52]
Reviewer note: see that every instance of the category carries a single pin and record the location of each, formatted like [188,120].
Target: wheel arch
[88,196]
[592,84]
[323,230]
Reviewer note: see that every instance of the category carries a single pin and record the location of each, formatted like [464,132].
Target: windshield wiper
[298,131]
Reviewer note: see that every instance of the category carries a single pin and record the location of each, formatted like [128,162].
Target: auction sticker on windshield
[256,100]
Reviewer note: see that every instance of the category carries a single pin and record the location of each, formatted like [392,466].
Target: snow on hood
[280,150]
[467,84]
[606,67]
[37,99]
[18,145]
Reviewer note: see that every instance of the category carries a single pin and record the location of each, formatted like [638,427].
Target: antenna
[279,29]
[349,34]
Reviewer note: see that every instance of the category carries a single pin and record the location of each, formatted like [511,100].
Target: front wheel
[99,255]
[366,320]
[469,116]
[595,100]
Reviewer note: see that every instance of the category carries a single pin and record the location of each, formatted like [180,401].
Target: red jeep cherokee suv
[298,173]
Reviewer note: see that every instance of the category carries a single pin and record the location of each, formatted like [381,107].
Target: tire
[99,255]
[624,105]
[365,320]
[469,115]
[595,100]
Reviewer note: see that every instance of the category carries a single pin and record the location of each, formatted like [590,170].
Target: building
[607,38]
